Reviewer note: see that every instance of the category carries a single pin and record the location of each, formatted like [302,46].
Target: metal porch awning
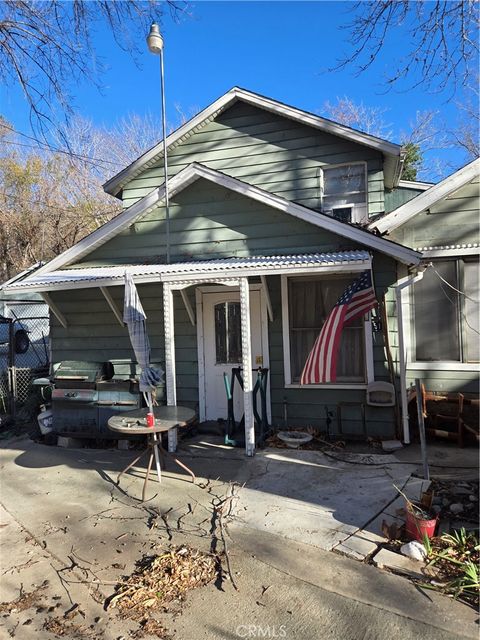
[193,271]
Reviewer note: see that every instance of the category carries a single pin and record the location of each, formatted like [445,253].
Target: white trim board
[195,171]
[442,366]
[223,271]
[414,184]
[450,252]
[443,189]
[391,151]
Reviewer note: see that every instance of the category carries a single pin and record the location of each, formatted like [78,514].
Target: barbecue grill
[87,394]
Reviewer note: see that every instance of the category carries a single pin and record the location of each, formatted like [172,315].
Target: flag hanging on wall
[355,301]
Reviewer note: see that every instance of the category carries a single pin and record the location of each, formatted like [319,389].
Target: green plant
[468,581]
[456,556]
[427,544]
[461,541]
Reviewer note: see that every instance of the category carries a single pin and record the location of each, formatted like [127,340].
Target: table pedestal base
[154,447]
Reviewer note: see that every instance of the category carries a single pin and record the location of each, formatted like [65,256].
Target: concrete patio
[64,518]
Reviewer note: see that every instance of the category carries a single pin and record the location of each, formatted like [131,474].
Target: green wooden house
[440,313]
[268,214]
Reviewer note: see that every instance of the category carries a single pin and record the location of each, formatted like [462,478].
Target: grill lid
[78,371]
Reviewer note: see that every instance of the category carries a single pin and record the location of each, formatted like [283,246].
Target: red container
[417,527]
[150,420]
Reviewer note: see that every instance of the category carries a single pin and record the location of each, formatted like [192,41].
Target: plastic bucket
[45,421]
[417,527]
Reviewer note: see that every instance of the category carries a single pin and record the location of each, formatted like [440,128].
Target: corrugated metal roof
[151,272]
[449,247]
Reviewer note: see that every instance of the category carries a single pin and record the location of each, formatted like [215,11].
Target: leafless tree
[46,46]
[50,198]
[425,134]
[439,46]
[467,134]
[359,116]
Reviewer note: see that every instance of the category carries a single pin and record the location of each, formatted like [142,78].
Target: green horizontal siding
[445,381]
[307,407]
[394,198]
[453,220]
[93,333]
[223,224]
[272,152]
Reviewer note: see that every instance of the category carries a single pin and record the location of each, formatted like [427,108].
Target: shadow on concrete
[302,495]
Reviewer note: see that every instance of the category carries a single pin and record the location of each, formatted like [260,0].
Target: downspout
[403,283]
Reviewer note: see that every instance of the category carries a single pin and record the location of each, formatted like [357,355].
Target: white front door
[222,348]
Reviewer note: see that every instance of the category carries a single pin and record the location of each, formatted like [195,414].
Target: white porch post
[170,379]
[247,367]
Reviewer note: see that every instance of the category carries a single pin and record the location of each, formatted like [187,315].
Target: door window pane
[228,337]
[436,315]
[470,318]
[310,301]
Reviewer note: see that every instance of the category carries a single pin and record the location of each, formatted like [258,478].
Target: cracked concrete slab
[357,546]
[312,498]
[63,504]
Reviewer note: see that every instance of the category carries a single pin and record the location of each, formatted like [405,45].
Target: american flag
[355,301]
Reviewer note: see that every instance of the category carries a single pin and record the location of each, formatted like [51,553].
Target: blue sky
[279,49]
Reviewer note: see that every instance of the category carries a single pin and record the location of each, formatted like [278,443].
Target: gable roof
[391,151]
[437,192]
[193,172]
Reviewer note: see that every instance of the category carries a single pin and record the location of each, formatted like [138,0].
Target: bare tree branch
[50,198]
[439,48]
[46,47]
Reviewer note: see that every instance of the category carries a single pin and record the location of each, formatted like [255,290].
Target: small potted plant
[419,521]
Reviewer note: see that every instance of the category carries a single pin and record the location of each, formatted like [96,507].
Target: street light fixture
[155,45]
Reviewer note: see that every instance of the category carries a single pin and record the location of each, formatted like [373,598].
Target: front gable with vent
[278,148]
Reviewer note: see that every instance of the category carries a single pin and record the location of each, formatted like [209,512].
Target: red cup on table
[150,420]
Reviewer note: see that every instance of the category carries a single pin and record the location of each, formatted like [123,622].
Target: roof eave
[439,191]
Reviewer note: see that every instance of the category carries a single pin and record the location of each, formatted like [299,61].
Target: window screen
[436,312]
[345,185]
[471,324]
[310,301]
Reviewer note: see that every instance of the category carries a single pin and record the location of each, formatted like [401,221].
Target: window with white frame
[310,300]
[344,191]
[446,319]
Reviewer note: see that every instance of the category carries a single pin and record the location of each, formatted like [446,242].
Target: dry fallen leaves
[24,601]
[159,580]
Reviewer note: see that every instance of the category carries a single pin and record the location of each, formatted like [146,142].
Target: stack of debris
[456,504]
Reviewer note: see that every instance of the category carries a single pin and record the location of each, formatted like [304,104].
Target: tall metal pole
[165,160]
[156,45]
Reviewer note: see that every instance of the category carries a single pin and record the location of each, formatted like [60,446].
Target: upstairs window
[344,192]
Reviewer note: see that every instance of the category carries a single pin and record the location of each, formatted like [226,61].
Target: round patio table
[135,423]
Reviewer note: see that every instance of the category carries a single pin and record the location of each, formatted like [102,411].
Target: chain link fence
[24,356]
